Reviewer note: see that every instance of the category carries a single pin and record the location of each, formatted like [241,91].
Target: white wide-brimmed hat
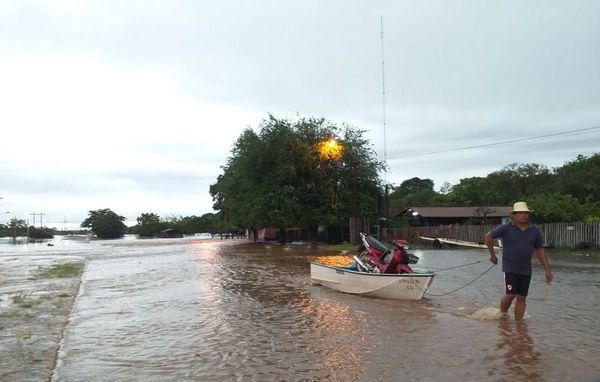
[520,207]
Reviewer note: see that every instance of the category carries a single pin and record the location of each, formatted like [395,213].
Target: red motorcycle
[374,257]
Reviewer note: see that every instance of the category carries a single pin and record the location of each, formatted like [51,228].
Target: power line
[562,133]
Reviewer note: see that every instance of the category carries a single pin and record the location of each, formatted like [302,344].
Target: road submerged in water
[191,310]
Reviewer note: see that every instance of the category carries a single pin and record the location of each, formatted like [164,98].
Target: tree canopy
[566,193]
[105,223]
[149,224]
[298,173]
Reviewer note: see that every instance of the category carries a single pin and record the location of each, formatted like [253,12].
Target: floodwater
[200,310]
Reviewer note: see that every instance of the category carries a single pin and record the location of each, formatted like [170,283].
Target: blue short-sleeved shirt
[518,246]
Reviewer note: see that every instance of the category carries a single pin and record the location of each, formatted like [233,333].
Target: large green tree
[580,178]
[15,227]
[471,192]
[148,224]
[548,208]
[414,192]
[105,223]
[279,176]
[517,181]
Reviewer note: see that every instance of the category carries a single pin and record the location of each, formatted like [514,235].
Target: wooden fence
[572,235]
[567,235]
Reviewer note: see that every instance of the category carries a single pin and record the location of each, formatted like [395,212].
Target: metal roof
[460,212]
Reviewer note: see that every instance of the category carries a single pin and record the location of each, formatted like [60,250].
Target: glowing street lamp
[331,149]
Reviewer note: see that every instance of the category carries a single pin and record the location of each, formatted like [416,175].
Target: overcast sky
[134,105]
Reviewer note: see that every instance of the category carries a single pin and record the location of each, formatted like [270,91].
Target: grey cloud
[457,74]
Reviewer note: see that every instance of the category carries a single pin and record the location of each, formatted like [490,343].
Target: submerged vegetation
[61,271]
[22,300]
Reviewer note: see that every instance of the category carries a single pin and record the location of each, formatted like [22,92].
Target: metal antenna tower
[383,97]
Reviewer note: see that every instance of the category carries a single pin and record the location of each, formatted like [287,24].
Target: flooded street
[177,310]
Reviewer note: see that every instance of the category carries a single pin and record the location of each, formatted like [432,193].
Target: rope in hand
[464,286]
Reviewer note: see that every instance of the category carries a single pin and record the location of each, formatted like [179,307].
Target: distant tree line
[567,193]
[106,224]
[150,224]
[18,227]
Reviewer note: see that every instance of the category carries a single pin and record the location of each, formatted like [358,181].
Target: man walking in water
[519,240]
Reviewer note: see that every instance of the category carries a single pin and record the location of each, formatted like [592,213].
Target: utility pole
[41,214]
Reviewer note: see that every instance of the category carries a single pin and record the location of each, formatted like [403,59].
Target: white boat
[405,286]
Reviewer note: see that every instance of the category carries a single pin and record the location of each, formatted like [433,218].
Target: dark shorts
[516,284]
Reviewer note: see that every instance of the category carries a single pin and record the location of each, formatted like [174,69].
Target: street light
[331,149]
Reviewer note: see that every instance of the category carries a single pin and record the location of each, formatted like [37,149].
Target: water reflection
[258,319]
[521,358]
[342,346]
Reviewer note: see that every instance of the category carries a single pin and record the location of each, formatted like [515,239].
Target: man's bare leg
[505,302]
[520,307]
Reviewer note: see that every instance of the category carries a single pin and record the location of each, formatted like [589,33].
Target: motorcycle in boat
[377,272]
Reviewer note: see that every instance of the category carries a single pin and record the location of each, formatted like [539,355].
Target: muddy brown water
[192,310]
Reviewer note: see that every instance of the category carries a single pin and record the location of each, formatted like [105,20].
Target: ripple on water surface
[216,311]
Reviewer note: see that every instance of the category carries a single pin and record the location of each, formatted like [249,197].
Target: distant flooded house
[434,216]
[170,234]
[274,234]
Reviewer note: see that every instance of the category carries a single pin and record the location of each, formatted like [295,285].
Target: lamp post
[330,149]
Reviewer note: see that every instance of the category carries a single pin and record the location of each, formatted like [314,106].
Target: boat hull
[406,286]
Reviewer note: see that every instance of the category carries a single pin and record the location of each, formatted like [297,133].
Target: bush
[549,208]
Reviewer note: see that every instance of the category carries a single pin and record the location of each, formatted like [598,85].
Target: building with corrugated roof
[434,216]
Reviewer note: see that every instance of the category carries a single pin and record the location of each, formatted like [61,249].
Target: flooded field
[191,310]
